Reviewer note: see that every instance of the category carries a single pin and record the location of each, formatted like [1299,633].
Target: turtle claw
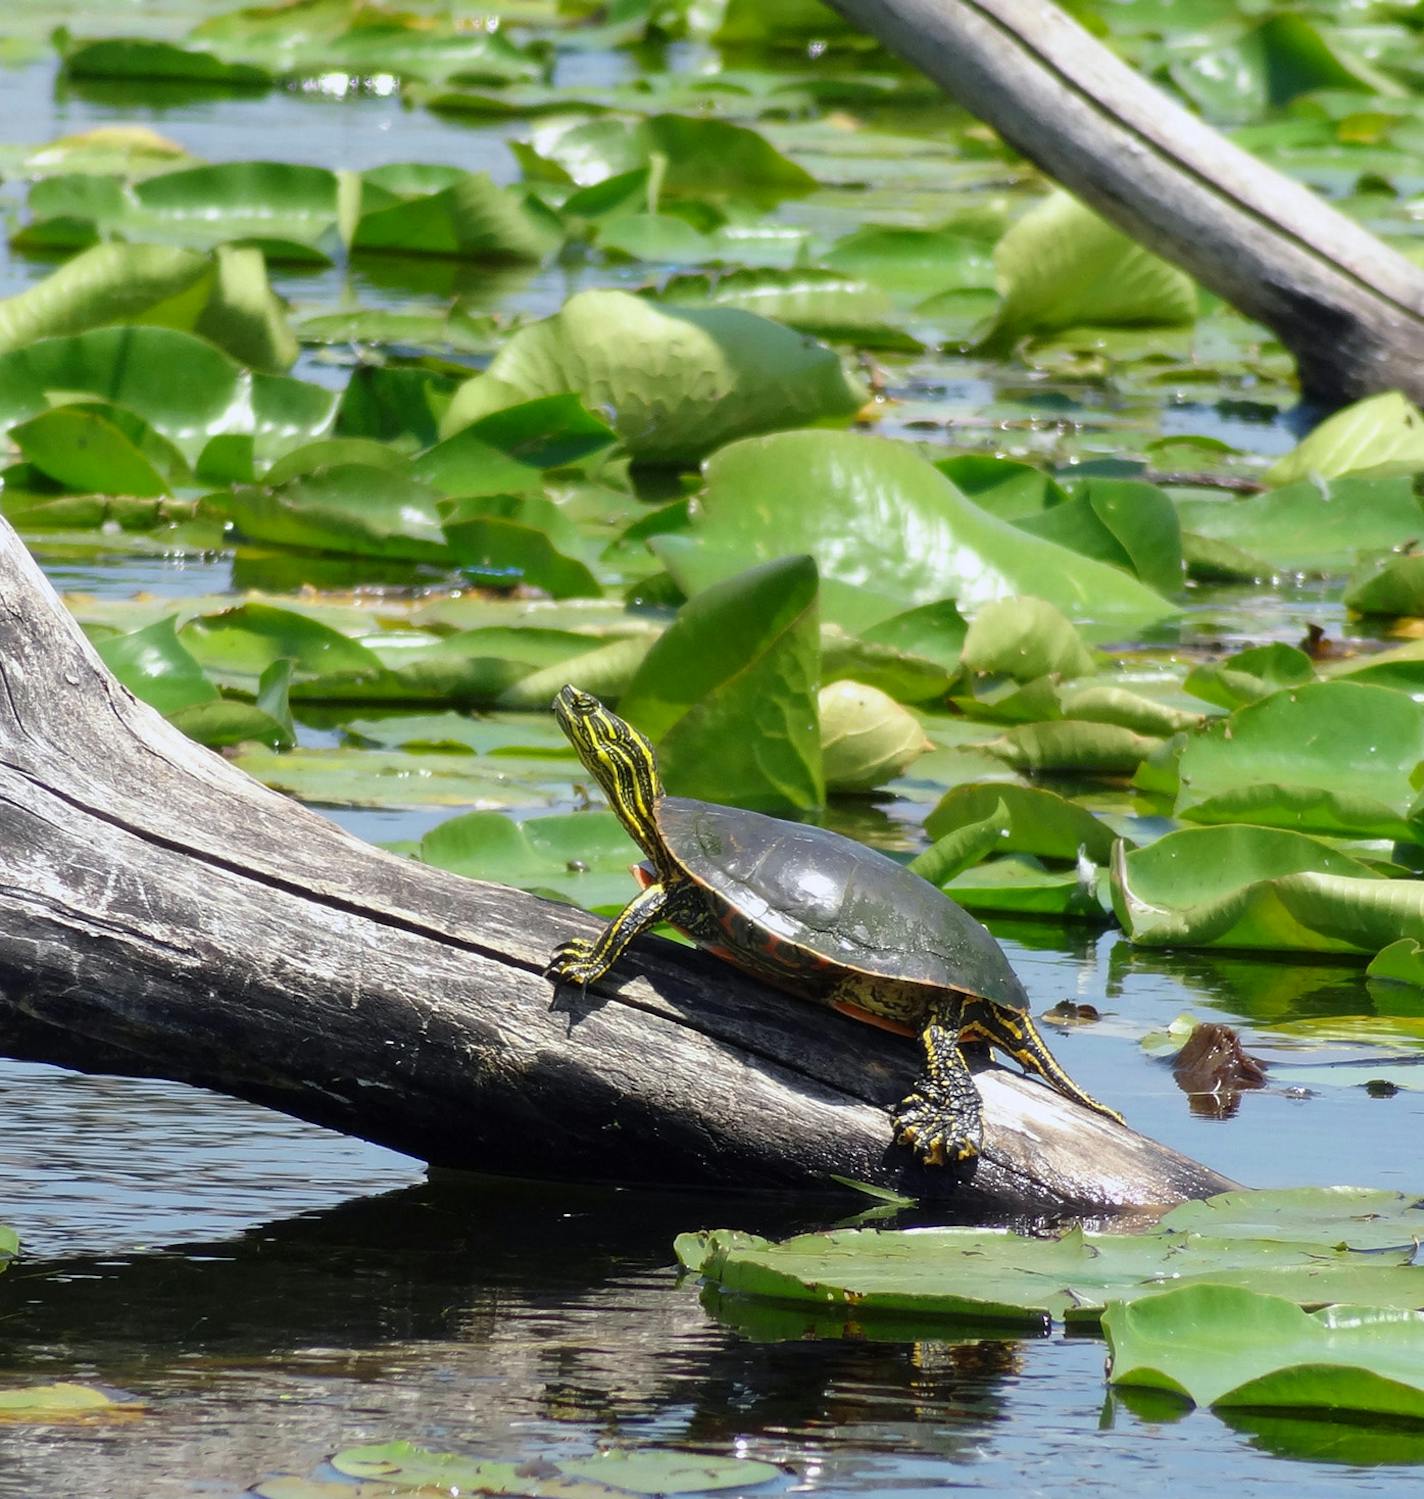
[572,963]
[935,1133]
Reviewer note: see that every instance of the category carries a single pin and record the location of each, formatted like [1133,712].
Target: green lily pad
[379,778]
[223,296]
[96,448]
[56,1402]
[823,303]
[504,541]
[1358,1217]
[1124,522]
[154,61]
[358,509]
[1381,430]
[1390,584]
[728,692]
[912,264]
[1326,757]
[1250,675]
[605,1475]
[889,532]
[1022,885]
[289,210]
[1219,1345]
[579,857]
[1256,887]
[997,1276]
[678,382]
[1073,746]
[183,386]
[1037,821]
[1025,638]
[702,158]
[155,666]
[1310,525]
[1061,266]
[472,218]
[867,738]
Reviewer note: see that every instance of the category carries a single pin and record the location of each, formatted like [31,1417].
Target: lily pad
[702,158]
[1219,1345]
[1037,821]
[867,738]
[648,1470]
[183,386]
[56,1402]
[728,693]
[1307,524]
[677,382]
[1256,887]
[1061,266]
[1326,757]
[996,1276]
[889,532]
[1386,430]
[1025,638]
[579,857]
[223,296]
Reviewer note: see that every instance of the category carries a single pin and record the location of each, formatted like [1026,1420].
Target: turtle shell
[841,905]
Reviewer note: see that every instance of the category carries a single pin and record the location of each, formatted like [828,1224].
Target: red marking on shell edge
[643,875]
[867,1017]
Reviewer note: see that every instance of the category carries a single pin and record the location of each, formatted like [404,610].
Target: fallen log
[1347,306]
[162,914]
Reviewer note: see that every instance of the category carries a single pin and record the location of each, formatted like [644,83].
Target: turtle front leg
[1014,1032]
[942,1119]
[579,961]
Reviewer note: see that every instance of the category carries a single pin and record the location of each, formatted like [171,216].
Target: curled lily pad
[1326,757]
[676,382]
[1382,430]
[1388,584]
[1025,638]
[889,532]
[728,693]
[1250,675]
[223,296]
[1035,821]
[1221,1345]
[867,738]
[703,158]
[1253,887]
[183,386]
[1061,266]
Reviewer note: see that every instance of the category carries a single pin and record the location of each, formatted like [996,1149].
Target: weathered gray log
[163,914]
[1349,308]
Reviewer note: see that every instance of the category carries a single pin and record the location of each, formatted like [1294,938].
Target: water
[272,1292]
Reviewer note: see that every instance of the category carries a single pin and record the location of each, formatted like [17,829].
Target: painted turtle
[816,914]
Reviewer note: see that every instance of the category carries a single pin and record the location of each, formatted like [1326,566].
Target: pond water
[273,1292]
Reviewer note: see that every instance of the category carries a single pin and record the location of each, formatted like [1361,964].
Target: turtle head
[620,759]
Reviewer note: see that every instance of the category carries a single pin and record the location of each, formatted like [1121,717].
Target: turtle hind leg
[942,1120]
[1014,1032]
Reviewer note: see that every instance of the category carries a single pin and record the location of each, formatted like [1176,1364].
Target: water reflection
[517,1321]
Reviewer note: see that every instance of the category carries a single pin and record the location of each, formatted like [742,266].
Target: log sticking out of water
[1349,308]
[161,914]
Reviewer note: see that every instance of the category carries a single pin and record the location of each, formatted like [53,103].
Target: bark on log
[162,914]
[1349,308]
